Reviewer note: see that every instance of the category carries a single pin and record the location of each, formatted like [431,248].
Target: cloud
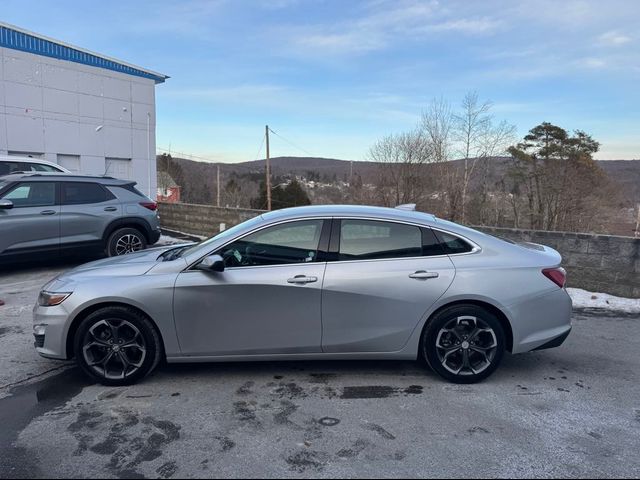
[382,24]
[592,63]
[613,39]
[472,26]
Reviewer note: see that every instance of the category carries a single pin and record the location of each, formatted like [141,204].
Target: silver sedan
[321,282]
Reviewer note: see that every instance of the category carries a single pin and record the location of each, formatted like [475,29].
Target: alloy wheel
[114,349]
[466,345]
[128,243]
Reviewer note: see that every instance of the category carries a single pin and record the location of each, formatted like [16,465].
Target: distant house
[168,189]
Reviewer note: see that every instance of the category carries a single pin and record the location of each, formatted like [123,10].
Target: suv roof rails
[65,174]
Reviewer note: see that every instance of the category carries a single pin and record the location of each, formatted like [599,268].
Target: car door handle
[422,275]
[300,279]
[48,212]
[110,209]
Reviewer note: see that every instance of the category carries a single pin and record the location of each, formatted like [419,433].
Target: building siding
[56,107]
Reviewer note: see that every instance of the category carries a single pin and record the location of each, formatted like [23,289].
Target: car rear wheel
[464,343]
[125,240]
[117,346]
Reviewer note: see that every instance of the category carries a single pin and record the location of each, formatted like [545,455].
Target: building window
[70,162]
[118,168]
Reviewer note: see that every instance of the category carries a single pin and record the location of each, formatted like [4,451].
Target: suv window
[32,194]
[7,167]
[83,193]
[453,244]
[371,239]
[38,167]
[293,242]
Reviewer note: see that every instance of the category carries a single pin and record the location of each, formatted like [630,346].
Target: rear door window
[372,239]
[77,193]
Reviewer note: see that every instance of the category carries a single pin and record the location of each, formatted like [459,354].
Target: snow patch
[584,299]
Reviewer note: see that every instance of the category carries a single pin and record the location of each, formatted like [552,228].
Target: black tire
[125,240]
[97,330]
[459,331]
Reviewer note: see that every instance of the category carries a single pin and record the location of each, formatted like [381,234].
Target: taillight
[153,206]
[556,275]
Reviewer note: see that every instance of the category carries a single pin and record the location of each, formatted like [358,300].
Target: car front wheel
[117,346]
[464,343]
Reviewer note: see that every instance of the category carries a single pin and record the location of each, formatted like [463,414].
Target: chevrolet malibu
[311,283]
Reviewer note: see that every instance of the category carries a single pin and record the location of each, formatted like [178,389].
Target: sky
[333,76]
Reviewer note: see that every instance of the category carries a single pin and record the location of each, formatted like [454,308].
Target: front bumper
[50,331]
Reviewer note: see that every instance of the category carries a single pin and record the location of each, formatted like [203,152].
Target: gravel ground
[568,412]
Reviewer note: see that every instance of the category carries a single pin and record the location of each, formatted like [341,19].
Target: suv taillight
[153,206]
[556,275]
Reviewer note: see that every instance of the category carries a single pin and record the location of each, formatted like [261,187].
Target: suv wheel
[464,344]
[125,240]
[117,346]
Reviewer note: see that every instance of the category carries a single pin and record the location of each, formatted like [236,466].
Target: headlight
[51,299]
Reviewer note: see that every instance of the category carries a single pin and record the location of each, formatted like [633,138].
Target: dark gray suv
[58,212]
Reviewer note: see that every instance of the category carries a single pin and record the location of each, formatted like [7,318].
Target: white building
[87,112]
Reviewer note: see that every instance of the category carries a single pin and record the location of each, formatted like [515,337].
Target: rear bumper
[556,342]
[541,322]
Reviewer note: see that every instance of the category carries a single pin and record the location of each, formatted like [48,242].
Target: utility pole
[218,182]
[268,172]
[637,232]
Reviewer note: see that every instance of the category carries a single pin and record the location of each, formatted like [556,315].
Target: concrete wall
[598,263]
[52,107]
[201,219]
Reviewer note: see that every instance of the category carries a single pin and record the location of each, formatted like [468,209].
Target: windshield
[229,233]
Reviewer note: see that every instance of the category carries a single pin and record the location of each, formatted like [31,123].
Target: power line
[292,144]
[188,155]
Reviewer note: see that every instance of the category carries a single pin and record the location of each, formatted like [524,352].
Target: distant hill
[625,172]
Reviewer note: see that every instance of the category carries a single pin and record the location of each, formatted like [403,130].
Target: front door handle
[48,212]
[110,209]
[423,275]
[301,279]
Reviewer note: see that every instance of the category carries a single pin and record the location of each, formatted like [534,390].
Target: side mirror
[212,263]
[6,204]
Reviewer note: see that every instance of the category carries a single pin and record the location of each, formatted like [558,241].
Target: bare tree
[400,175]
[436,127]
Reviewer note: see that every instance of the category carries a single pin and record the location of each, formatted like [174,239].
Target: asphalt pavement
[573,411]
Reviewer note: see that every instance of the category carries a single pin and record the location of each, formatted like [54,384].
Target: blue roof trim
[16,40]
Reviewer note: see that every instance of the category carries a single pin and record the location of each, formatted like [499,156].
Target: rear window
[131,188]
[453,244]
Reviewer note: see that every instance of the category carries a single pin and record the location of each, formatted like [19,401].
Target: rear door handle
[423,275]
[301,279]
[48,212]
[110,209]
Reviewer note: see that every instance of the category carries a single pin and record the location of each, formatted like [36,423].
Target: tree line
[551,180]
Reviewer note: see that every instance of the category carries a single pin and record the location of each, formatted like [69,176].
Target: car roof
[67,177]
[351,211]
[17,158]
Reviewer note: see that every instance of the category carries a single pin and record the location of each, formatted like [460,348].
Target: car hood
[131,264]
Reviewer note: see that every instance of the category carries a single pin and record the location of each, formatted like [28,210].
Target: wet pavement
[568,412]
